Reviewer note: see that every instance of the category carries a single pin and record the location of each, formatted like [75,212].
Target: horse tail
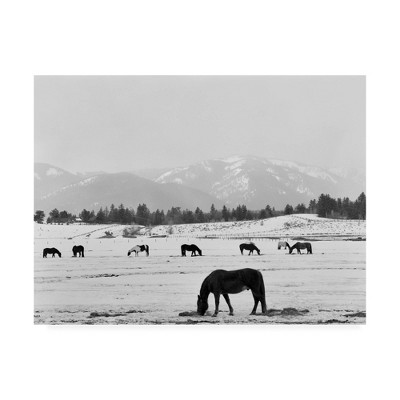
[183,251]
[262,286]
[262,292]
[310,248]
[147,249]
[83,251]
[241,248]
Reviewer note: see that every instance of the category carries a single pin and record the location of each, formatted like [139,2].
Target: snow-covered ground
[305,225]
[108,287]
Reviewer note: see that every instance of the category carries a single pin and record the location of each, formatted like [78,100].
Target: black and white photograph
[200,200]
[184,197]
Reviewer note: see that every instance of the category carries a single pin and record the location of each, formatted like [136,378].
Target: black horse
[190,247]
[249,246]
[139,248]
[224,282]
[78,250]
[52,251]
[300,246]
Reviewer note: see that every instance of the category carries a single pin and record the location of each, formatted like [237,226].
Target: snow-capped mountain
[57,188]
[257,181]
[248,180]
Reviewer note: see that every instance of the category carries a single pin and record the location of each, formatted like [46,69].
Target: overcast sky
[125,123]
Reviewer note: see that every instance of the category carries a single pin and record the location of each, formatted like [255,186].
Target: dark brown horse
[52,251]
[224,282]
[249,246]
[300,246]
[190,247]
[78,250]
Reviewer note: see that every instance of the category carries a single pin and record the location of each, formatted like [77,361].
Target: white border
[181,37]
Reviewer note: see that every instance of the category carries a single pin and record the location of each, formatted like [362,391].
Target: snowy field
[108,287]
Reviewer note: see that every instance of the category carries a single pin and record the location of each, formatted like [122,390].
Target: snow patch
[54,172]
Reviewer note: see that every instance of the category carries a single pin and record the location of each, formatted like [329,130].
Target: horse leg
[256,300]
[216,296]
[226,297]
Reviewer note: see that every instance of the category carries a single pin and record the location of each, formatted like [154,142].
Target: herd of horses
[219,282]
[250,246]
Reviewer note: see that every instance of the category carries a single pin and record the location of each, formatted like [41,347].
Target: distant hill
[57,188]
[257,181]
[249,180]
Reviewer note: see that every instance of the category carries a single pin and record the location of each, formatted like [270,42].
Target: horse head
[129,253]
[200,253]
[258,251]
[202,306]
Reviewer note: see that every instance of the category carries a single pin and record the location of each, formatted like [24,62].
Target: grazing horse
[52,251]
[282,244]
[249,246]
[190,247]
[300,246]
[139,248]
[224,282]
[78,250]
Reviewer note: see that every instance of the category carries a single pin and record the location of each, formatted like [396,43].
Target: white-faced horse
[137,249]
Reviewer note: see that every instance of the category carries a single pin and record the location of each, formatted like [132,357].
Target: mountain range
[249,180]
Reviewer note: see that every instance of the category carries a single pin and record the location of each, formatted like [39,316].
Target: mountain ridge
[250,180]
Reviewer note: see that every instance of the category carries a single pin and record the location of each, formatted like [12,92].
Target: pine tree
[39,216]
[288,209]
[225,213]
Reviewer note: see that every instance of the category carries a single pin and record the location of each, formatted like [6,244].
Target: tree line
[325,206]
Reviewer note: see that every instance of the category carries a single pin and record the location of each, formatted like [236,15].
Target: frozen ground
[108,287]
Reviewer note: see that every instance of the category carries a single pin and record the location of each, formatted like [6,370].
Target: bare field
[108,287]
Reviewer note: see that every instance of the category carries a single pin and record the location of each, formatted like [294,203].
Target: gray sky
[124,123]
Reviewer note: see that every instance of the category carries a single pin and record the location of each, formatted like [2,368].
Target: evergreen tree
[85,215]
[361,205]
[300,208]
[174,216]
[143,214]
[270,213]
[312,208]
[263,213]
[213,212]
[199,215]
[54,215]
[100,216]
[225,213]
[288,209]
[188,217]
[39,216]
